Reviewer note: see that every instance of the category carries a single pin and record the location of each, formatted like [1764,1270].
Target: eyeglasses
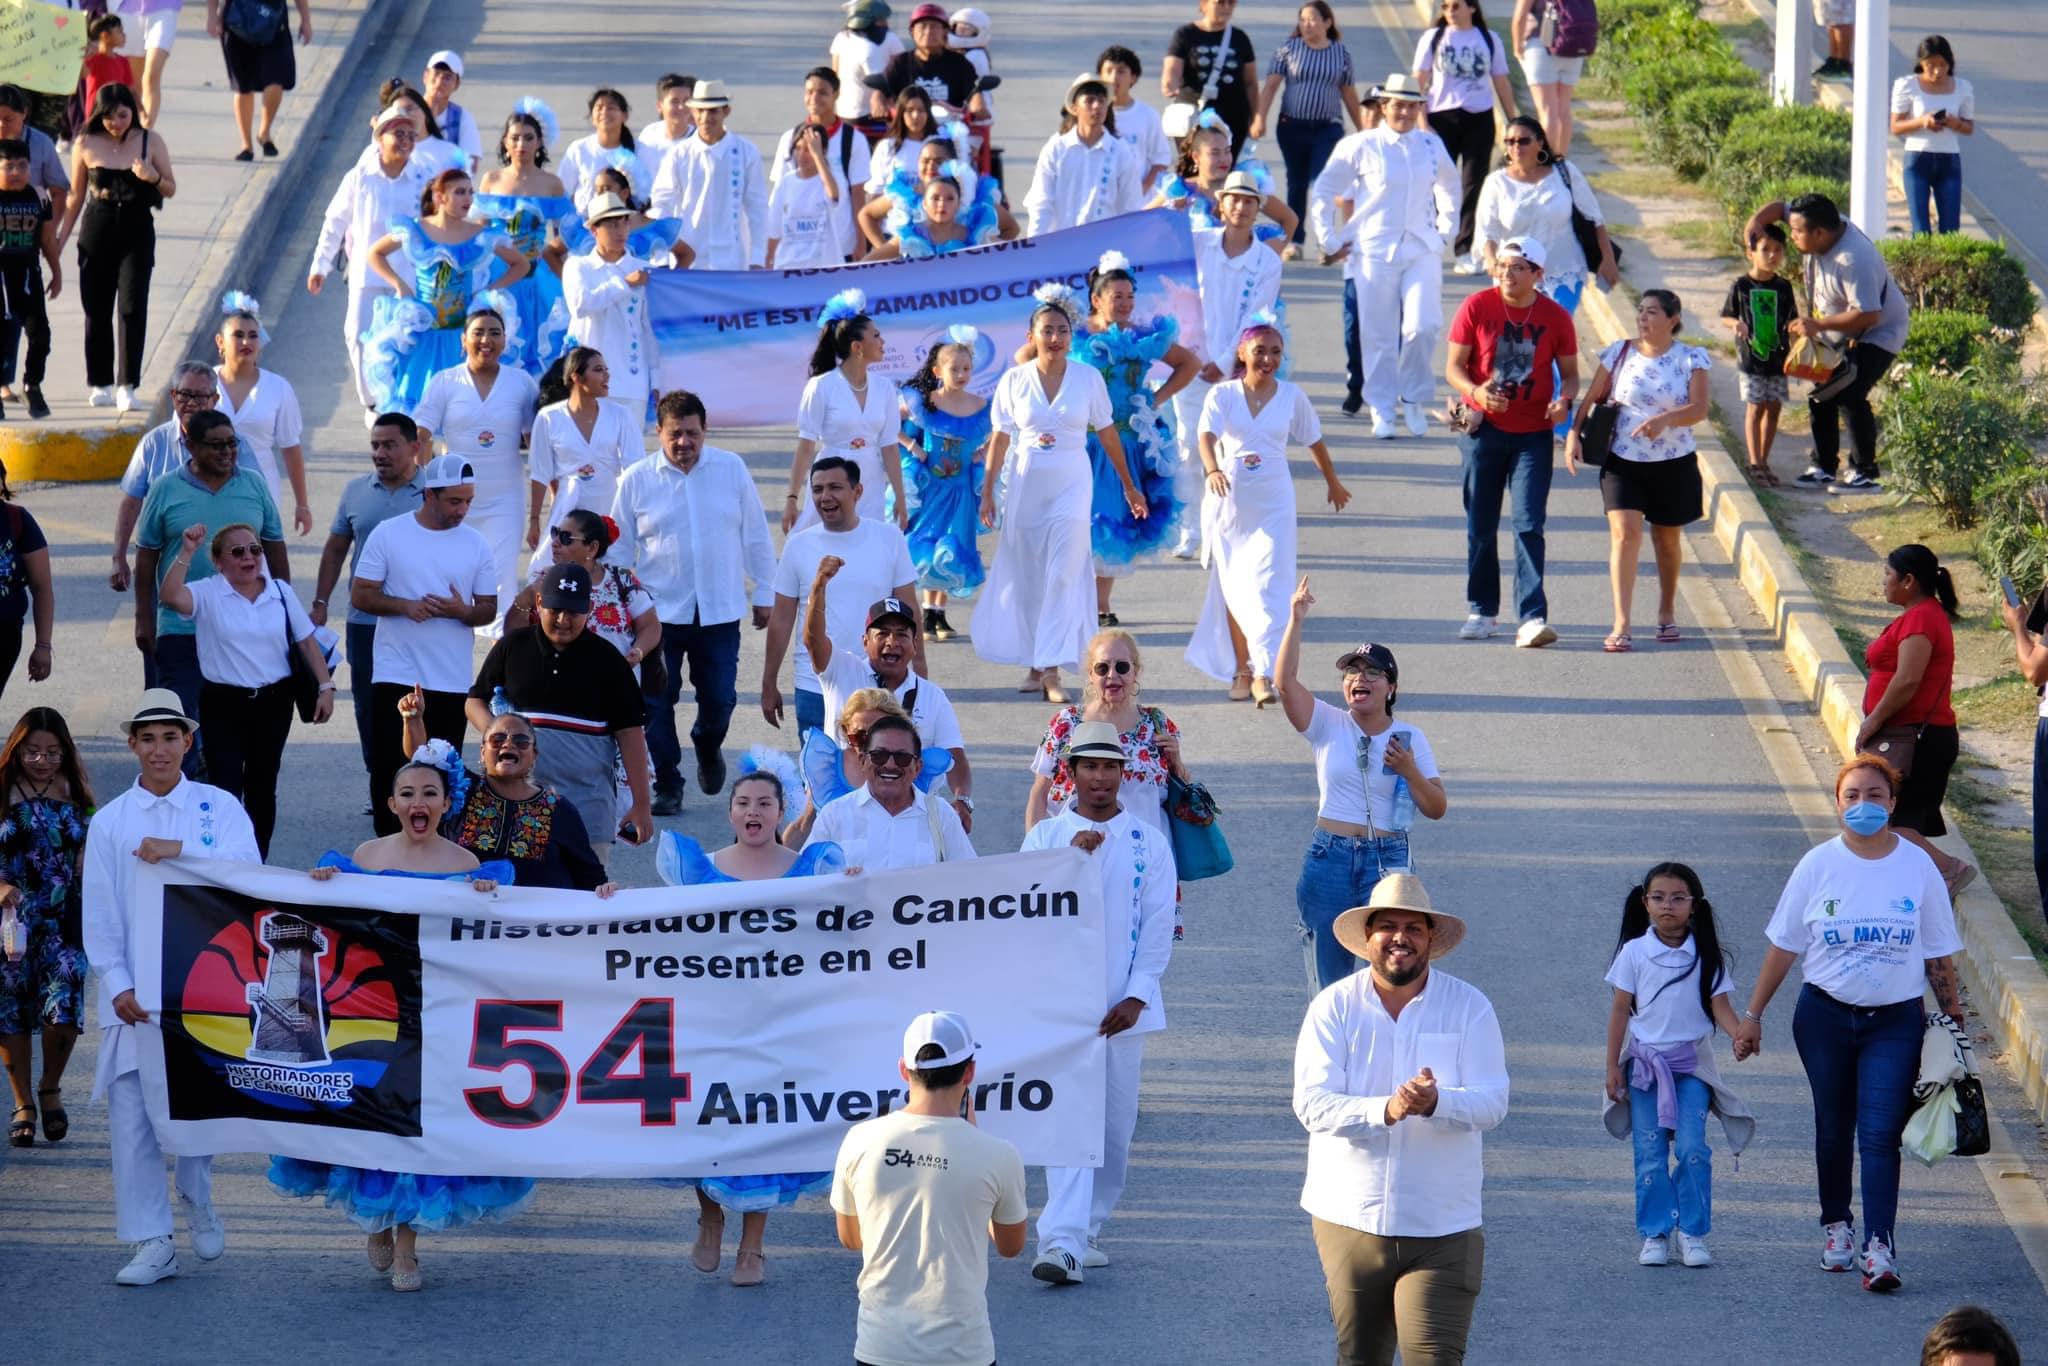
[505,741]
[242,552]
[51,756]
[891,758]
[1669,898]
[196,395]
[1369,674]
[1103,666]
[562,537]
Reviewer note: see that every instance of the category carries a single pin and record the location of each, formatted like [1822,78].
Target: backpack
[1570,28]
[255,22]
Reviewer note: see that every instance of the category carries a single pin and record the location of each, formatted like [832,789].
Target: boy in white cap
[915,1192]
[163,815]
[442,79]
[716,184]
[1136,866]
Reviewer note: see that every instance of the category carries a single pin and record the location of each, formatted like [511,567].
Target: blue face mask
[1866,818]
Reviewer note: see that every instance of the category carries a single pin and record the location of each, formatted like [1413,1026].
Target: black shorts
[1921,794]
[1666,492]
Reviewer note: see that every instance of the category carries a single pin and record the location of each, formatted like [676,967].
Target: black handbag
[1973,1121]
[1596,429]
[1586,230]
[1895,745]
[305,683]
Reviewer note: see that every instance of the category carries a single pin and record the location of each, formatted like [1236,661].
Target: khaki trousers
[1415,1293]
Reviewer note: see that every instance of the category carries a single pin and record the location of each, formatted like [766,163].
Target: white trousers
[1079,1200]
[361,299]
[142,1201]
[1400,314]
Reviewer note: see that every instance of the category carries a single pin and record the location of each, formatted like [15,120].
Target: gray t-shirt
[1853,278]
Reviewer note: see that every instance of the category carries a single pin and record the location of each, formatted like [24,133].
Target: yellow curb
[2006,983]
[93,455]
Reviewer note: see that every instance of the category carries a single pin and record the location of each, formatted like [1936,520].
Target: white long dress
[865,433]
[558,453]
[1248,535]
[485,430]
[611,316]
[1038,607]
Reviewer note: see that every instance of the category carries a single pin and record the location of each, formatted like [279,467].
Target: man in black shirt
[947,76]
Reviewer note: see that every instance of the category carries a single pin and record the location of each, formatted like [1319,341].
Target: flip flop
[1617,644]
[1667,633]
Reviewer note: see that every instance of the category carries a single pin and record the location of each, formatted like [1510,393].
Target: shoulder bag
[653,667]
[1199,849]
[305,683]
[1585,229]
[1596,430]
[937,824]
[254,22]
[1895,745]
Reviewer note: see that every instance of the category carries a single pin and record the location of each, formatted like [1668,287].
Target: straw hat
[1399,892]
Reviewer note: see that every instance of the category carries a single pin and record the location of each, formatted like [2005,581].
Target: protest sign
[42,47]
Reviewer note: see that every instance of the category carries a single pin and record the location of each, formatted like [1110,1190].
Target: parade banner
[742,339]
[42,47]
[731,1029]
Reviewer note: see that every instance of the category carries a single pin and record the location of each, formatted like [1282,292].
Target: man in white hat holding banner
[1135,864]
[163,815]
[1398,1071]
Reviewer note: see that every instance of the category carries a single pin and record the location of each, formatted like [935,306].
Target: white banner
[733,1029]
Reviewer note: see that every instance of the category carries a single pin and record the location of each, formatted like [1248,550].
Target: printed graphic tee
[1865,928]
[1767,306]
[1512,352]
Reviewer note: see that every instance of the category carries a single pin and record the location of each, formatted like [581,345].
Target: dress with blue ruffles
[980,216]
[653,241]
[523,220]
[409,340]
[377,1200]
[825,776]
[682,862]
[943,483]
[1202,208]
[1125,356]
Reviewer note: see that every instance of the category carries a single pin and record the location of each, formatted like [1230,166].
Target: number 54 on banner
[648,1028]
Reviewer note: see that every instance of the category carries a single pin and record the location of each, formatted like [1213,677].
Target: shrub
[1632,31]
[1955,340]
[1778,144]
[1653,82]
[1951,271]
[1785,191]
[1689,135]
[2013,528]
[1945,437]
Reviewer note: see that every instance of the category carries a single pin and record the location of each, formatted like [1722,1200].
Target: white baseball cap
[1528,248]
[447,472]
[941,1027]
[451,60]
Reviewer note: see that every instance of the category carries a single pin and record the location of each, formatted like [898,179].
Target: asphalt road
[1569,771]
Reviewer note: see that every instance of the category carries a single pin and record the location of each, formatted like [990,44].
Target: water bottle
[13,933]
[500,704]
[1404,805]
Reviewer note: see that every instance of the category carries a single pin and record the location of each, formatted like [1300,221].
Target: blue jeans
[177,668]
[1337,873]
[1354,364]
[1689,1199]
[1860,1063]
[713,654]
[1305,147]
[1937,176]
[2041,808]
[810,710]
[1517,465]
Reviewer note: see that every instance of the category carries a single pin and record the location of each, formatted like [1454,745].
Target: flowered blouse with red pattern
[1144,766]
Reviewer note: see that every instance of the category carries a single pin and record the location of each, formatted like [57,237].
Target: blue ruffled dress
[377,1200]
[682,862]
[825,778]
[409,340]
[523,219]
[943,484]
[980,216]
[1124,356]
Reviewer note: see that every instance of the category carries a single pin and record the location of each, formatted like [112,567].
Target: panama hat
[159,704]
[1399,892]
[709,95]
[1401,86]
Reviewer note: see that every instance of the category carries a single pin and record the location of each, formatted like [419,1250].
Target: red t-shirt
[1929,705]
[108,68]
[1514,349]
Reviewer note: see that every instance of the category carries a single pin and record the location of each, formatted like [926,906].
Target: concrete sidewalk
[207,233]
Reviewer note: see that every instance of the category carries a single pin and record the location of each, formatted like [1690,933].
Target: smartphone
[2011,590]
[1399,737]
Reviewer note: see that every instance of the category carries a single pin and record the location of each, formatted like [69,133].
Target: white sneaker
[154,1260]
[1693,1251]
[1468,264]
[101,396]
[1382,426]
[1839,1252]
[1055,1267]
[1094,1257]
[203,1227]
[124,398]
[1535,633]
[1477,627]
[1416,417]
[1656,1252]
[1187,547]
[1880,1273]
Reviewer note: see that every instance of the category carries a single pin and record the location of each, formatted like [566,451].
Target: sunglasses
[242,552]
[1518,142]
[502,741]
[1102,667]
[562,537]
[225,443]
[891,758]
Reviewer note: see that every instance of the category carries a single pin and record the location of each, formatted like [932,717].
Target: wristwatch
[967,802]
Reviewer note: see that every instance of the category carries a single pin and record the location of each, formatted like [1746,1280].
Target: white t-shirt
[1462,71]
[853,57]
[877,564]
[1348,795]
[1139,126]
[804,222]
[1909,97]
[925,1190]
[1865,927]
[937,725]
[413,562]
[1667,992]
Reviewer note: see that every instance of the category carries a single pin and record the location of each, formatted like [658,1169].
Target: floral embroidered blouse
[1144,790]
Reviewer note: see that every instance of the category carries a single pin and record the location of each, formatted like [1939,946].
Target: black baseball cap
[566,588]
[892,607]
[1377,656]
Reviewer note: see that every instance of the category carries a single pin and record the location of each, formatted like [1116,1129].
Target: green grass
[1706,235]
[2005,703]
[2005,857]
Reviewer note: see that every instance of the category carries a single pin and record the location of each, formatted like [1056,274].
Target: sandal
[1667,633]
[21,1133]
[749,1267]
[382,1249]
[710,1234]
[1241,686]
[1617,644]
[1762,476]
[56,1123]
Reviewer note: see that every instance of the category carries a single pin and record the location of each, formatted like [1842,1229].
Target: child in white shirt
[809,219]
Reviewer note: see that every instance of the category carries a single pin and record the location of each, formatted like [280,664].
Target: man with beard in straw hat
[1398,1070]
